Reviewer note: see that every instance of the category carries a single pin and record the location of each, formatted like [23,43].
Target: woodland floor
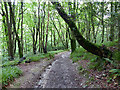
[59,72]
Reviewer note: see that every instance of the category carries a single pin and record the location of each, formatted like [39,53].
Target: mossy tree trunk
[103,30]
[72,39]
[90,47]
[112,25]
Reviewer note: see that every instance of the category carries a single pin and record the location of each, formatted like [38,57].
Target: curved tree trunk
[90,47]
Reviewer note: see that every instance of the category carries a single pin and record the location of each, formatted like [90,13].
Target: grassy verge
[81,54]
[33,58]
[9,71]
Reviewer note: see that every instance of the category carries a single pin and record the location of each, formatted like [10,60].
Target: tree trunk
[43,27]
[57,31]
[112,25]
[90,47]
[102,3]
[92,21]
[72,13]
[119,33]
[14,28]
[45,49]
[22,28]
[9,28]
[54,39]
[51,37]
[39,24]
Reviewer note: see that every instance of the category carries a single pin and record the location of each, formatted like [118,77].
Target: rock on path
[61,74]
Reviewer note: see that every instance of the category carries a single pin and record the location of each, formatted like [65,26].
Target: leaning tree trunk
[90,47]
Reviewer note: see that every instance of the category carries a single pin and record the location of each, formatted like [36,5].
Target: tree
[72,39]
[45,48]
[9,28]
[112,25]
[90,47]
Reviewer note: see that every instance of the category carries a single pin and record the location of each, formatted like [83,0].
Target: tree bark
[39,24]
[9,28]
[57,31]
[14,27]
[72,39]
[22,28]
[45,49]
[90,47]
[112,25]
[102,3]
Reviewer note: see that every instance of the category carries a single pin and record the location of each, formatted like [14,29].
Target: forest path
[61,74]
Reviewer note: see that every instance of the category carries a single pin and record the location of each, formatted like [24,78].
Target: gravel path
[61,74]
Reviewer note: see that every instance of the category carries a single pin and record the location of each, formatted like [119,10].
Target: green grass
[33,58]
[39,56]
[9,73]
[109,43]
[8,63]
[81,54]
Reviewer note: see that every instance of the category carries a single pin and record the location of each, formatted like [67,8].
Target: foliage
[33,58]
[109,43]
[81,69]
[115,72]
[81,54]
[9,73]
[8,63]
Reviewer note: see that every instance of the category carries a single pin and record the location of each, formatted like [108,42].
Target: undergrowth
[98,63]
[9,73]
[81,54]
[32,57]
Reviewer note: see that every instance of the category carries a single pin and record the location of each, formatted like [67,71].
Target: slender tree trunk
[90,47]
[119,33]
[54,39]
[14,27]
[112,25]
[119,44]
[25,45]
[51,37]
[72,40]
[41,35]
[9,28]
[39,24]
[102,3]
[33,36]
[57,31]
[67,36]
[45,49]
[43,28]
[5,26]
[22,28]
[92,21]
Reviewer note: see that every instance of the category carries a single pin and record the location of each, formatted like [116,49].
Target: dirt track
[61,74]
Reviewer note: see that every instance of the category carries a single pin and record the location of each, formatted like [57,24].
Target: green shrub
[9,73]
